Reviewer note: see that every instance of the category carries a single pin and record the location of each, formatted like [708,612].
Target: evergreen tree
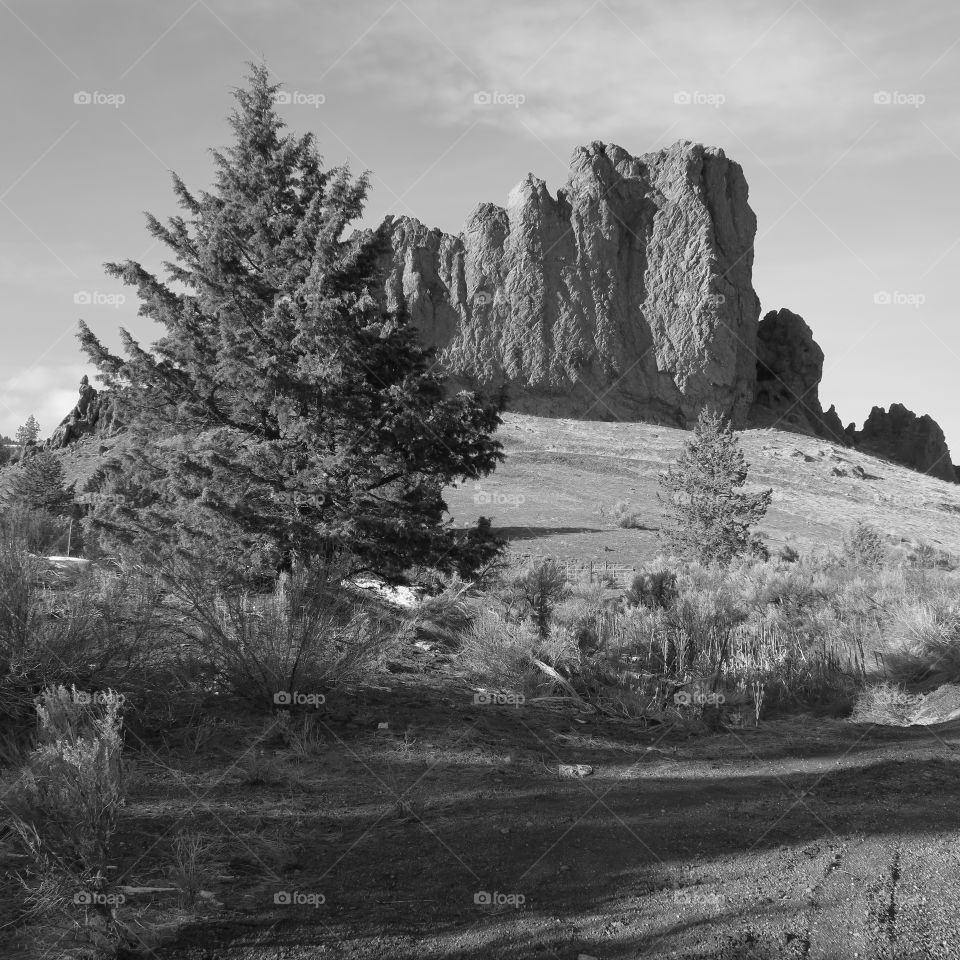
[40,484]
[285,414]
[710,515]
[28,432]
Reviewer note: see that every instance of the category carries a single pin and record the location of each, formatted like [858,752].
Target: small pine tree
[39,483]
[28,432]
[285,414]
[863,546]
[710,515]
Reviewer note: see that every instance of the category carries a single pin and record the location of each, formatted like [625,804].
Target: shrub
[498,652]
[625,517]
[445,615]
[538,589]
[104,630]
[924,641]
[653,589]
[863,546]
[66,805]
[307,633]
[789,553]
[36,530]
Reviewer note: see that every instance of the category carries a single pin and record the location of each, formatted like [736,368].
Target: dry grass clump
[923,641]
[65,806]
[885,703]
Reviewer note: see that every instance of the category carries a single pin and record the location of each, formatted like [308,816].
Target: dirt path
[800,839]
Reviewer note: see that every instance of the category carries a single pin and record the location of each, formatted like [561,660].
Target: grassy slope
[555,493]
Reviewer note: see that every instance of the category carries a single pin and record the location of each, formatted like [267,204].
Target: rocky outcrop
[629,294]
[789,370]
[94,413]
[898,434]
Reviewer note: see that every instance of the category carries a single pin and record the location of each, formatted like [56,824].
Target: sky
[844,118]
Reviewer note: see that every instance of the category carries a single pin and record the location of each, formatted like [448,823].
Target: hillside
[555,492]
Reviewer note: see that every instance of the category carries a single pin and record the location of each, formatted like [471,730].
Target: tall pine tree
[710,515]
[285,414]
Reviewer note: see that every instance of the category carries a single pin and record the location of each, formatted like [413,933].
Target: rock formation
[627,295]
[789,369]
[898,434]
[93,413]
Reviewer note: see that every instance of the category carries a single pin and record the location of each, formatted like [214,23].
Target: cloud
[784,81]
[46,392]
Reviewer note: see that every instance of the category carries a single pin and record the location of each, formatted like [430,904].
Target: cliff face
[627,295]
[789,370]
[898,434]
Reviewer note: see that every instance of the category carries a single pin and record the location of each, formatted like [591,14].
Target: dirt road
[449,833]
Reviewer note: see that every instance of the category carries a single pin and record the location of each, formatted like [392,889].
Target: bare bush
[308,633]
